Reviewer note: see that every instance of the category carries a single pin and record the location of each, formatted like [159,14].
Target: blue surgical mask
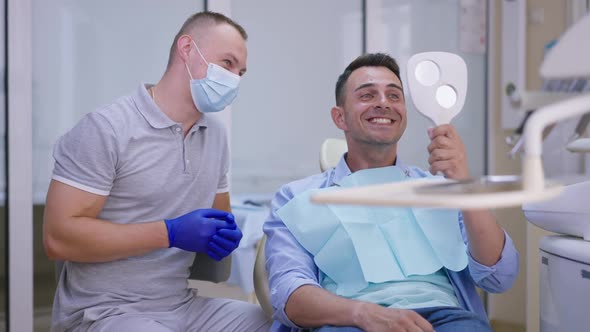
[217,90]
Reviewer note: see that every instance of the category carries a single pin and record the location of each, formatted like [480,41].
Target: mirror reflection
[446,96]
[427,73]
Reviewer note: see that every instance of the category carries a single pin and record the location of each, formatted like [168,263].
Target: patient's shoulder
[294,188]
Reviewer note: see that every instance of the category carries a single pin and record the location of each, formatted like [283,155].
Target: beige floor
[507,327]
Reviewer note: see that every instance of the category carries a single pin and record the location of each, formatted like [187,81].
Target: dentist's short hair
[200,19]
[365,60]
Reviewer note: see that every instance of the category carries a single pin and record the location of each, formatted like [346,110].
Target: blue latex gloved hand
[193,231]
[223,242]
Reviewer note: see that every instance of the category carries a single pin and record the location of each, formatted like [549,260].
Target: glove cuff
[170,228]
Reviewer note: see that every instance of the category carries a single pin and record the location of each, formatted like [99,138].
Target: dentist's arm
[447,155]
[72,231]
[222,202]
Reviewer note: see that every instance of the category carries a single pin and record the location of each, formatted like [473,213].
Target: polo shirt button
[187,161]
[177,128]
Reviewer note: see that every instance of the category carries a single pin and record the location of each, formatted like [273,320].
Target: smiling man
[376,269]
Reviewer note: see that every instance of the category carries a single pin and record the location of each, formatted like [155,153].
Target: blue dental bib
[358,245]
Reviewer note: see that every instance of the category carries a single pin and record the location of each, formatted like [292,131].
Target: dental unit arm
[579,143]
[528,101]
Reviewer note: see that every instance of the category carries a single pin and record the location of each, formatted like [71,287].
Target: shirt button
[177,128]
[188,161]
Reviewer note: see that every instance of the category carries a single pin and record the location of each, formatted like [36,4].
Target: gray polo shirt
[133,153]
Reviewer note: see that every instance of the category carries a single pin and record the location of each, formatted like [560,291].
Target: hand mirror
[438,84]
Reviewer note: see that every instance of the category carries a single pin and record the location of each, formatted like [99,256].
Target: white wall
[86,54]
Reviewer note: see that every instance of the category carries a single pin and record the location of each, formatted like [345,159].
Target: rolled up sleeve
[499,277]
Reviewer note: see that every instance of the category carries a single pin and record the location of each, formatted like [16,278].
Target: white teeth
[380,120]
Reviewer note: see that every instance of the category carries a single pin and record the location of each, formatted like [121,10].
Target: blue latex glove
[224,242]
[193,231]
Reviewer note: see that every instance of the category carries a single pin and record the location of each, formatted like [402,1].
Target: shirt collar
[152,113]
[342,170]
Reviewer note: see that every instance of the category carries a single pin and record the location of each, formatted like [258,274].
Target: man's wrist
[359,313]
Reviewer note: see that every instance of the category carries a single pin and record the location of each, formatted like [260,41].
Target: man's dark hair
[365,60]
[202,18]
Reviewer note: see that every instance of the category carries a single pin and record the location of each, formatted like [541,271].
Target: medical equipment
[565,259]
[552,91]
[563,284]
[579,145]
[438,86]
[566,214]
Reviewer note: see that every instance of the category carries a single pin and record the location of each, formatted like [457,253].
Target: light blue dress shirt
[290,266]
[416,291]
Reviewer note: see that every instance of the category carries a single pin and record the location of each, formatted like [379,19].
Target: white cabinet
[564,284]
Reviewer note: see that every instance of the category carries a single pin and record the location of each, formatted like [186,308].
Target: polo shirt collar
[152,113]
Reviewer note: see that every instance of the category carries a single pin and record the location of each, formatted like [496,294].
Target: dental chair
[206,269]
[330,152]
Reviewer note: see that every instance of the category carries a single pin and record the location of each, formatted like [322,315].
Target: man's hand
[208,231]
[224,241]
[447,153]
[375,318]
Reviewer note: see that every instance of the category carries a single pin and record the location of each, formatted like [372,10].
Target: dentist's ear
[338,117]
[183,47]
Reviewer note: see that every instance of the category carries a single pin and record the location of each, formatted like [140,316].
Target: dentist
[141,185]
